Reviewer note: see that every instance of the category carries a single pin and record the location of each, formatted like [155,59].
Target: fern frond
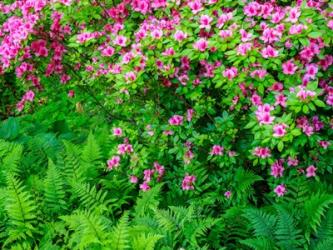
[260,243]
[72,169]
[90,230]
[21,212]
[262,223]
[12,159]
[90,197]
[324,244]
[314,208]
[145,242]
[147,201]
[54,190]
[325,229]
[286,233]
[119,237]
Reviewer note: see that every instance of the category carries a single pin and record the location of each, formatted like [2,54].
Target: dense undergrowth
[154,124]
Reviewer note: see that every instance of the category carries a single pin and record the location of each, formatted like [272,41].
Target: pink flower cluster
[28,97]
[262,152]
[263,114]
[188,182]
[148,174]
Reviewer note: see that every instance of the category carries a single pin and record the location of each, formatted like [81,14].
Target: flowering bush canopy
[227,102]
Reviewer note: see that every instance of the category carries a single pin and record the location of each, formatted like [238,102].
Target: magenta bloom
[311,171]
[217,150]
[133,179]
[230,73]
[176,120]
[180,35]
[262,152]
[201,45]
[205,21]
[188,182]
[268,52]
[280,190]
[113,162]
[144,186]
[279,130]
[289,68]
[263,114]
[227,194]
[121,41]
[29,96]
[277,169]
[117,132]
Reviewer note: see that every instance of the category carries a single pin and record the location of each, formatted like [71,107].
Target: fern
[54,190]
[325,229]
[324,244]
[145,242]
[91,154]
[262,223]
[314,209]
[90,197]
[72,169]
[286,233]
[243,182]
[12,159]
[120,234]
[21,212]
[147,201]
[260,243]
[90,230]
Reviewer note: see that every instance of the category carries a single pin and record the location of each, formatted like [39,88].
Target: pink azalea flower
[269,51]
[188,182]
[292,161]
[289,68]
[180,35]
[279,130]
[190,113]
[201,45]
[133,179]
[144,186]
[262,152]
[176,120]
[71,93]
[205,21]
[29,96]
[113,162]
[311,171]
[217,150]
[230,73]
[195,6]
[324,144]
[280,190]
[121,41]
[227,194]
[277,169]
[117,132]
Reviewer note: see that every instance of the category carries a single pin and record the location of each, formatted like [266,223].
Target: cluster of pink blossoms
[148,174]
[263,114]
[307,127]
[28,97]
[188,182]
[262,152]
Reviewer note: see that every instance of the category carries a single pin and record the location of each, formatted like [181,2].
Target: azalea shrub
[212,118]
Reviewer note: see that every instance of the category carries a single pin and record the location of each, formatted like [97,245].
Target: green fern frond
[286,232]
[54,190]
[147,201]
[314,208]
[145,242]
[12,159]
[72,169]
[90,197]
[261,222]
[324,244]
[243,182]
[90,230]
[325,229]
[260,243]
[119,237]
[21,212]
